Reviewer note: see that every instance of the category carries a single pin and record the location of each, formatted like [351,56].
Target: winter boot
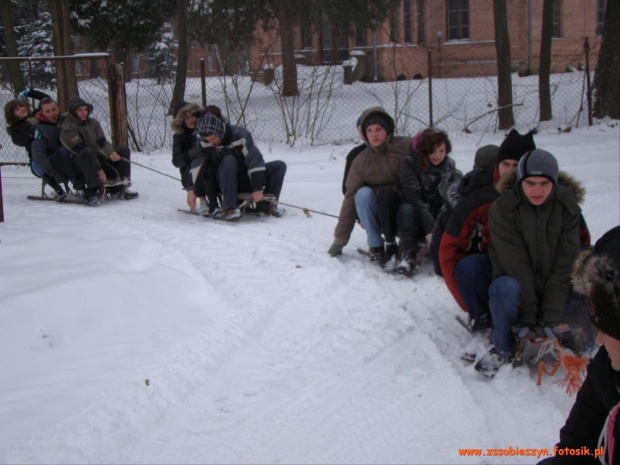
[491,362]
[376,254]
[91,197]
[391,256]
[59,193]
[407,252]
[480,343]
[204,208]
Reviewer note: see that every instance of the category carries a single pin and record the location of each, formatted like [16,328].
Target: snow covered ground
[257,346]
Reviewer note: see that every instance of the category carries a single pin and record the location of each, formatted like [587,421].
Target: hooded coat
[76,135]
[537,245]
[184,139]
[375,167]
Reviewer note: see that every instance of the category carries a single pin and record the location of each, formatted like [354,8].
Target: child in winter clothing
[594,420]
[372,188]
[426,174]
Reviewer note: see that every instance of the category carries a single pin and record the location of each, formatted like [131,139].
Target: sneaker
[227,214]
[204,208]
[91,197]
[490,363]
[390,257]
[277,212]
[126,194]
[78,193]
[376,254]
[59,194]
[480,343]
[406,266]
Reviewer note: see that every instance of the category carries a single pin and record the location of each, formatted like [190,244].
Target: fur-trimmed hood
[564,179]
[178,123]
[599,267]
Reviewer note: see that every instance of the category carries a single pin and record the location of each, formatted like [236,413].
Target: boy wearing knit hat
[463,248]
[236,165]
[534,228]
[593,421]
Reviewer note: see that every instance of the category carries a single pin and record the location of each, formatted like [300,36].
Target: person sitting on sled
[372,188]
[236,165]
[94,157]
[535,239]
[594,420]
[463,249]
[425,175]
[20,120]
[48,154]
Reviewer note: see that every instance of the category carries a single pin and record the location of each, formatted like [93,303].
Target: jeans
[377,212]
[504,301]
[231,180]
[473,278]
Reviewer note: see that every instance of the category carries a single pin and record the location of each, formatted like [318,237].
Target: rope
[306,211]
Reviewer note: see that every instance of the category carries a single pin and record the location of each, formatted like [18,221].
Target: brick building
[458,33]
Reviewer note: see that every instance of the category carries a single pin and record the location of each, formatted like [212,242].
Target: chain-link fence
[454,90]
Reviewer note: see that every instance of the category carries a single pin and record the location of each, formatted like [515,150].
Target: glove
[556,331]
[60,178]
[335,250]
[23,94]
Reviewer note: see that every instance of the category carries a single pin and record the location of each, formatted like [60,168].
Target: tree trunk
[544,90]
[289,68]
[607,74]
[65,69]
[179,83]
[504,64]
[15,72]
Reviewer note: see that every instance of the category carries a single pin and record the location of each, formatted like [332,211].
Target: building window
[408,36]
[361,37]
[458,19]
[600,17]
[210,64]
[420,21]
[394,25]
[306,36]
[557,19]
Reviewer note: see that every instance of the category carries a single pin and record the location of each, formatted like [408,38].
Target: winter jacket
[537,245]
[183,140]
[467,231]
[21,131]
[237,141]
[426,189]
[352,155]
[46,141]
[76,135]
[376,167]
[599,394]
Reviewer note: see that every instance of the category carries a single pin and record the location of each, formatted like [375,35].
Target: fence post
[586,46]
[118,105]
[430,86]
[1,199]
[203,86]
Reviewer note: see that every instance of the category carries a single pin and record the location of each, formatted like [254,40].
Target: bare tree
[504,77]
[15,73]
[607,75]
[179,84]
[65,69]
[544,72]
[289,68]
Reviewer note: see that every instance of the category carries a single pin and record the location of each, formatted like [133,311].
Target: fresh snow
[258,347]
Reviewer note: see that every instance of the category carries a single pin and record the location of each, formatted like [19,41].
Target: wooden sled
[245,205]
[71,198]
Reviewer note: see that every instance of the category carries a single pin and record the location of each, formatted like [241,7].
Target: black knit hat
[538,163]
[379,119]
[515,146]
[603,273]
[211,125]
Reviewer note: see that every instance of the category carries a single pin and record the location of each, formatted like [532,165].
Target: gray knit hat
[486,156]
[538,162]
[211,125]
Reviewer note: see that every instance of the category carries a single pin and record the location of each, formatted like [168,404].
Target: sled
[71,198]
[245,204]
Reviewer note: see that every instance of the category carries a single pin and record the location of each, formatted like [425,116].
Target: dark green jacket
[537,245]
[76,135]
